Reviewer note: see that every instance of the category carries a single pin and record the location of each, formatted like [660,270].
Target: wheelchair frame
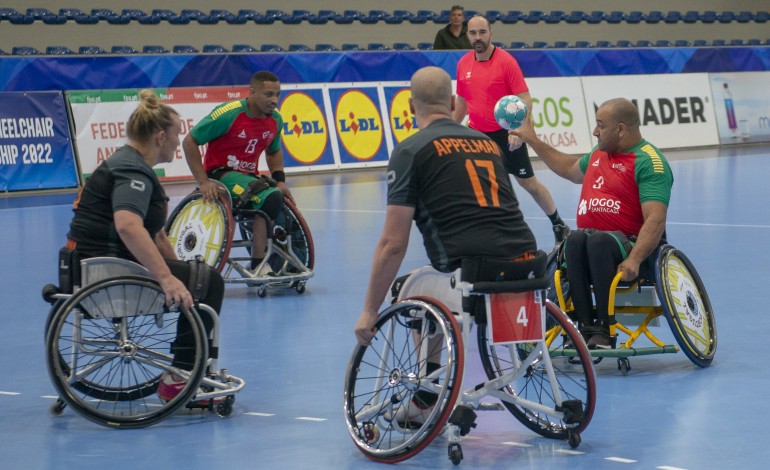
[686,307]
[207,229]
[552,393]
[101,354]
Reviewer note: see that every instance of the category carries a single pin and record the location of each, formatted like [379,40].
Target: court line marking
[570,452]
[254,413]
[620,460]
[10,393]
[306,418]
[666,467]
[517,444]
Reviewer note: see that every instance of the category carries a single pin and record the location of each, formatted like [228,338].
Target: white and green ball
[510,112]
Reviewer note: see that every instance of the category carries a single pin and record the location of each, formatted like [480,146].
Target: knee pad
[273,204]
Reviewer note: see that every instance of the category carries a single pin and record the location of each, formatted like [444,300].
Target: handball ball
[510,112]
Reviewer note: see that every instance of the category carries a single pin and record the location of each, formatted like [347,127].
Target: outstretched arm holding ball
[562,164]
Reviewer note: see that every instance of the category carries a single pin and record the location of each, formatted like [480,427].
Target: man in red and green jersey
[237,133]
[621,216]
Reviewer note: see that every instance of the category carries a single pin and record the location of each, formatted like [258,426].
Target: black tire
[574,374]
[390,372]
[686,305]
[196,227]
[107,346]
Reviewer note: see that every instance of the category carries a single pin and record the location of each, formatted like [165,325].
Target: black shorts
[517,162]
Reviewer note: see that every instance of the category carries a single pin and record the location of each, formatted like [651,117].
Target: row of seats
[398,46]
[187,16]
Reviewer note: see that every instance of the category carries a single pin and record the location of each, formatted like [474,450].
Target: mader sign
[674,110]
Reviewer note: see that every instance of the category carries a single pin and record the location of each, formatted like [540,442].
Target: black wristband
[279,176]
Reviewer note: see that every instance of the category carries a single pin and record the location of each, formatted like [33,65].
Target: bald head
[431,92]
[478,21]
[623,110]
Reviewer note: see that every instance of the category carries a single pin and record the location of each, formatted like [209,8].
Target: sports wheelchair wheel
[290,232]
[386,380]
[574,376]
[196,227]
[107,345]
[686,305]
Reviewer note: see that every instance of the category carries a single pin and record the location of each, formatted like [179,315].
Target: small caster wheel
[262,291]
[300,287]
[371,433]
[624,365]
[573,438]
[57,408]
[455,453]
[225,408]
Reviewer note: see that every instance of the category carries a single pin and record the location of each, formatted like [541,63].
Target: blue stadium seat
[244,48]
[519,45]
[708,16]
[442,17]
[583,44]
[105,14]
[500,45]
[603,44]
[615,17]
[15,17]
[491,15]
[691,17]
[325,47]
[424,16]
[280,15]
[405,15]
[323,17]
[24,50]
[253,15]
[643,43]
[351,47]
[402,46]
[554,17]
[726,17]
[595,17]
[184,49]
[682,43]
[539,45]
[301,15]
[123,50]
[45,15]
[91,50]
[377,46]
[744,17]
[2,52]
[560,44]
[654,16]
[575,17]
[761,17]
[634,17]
[77,15]
[140,16]
[214,48]
[170,16]
[152,49]
[623,43]
[271,48]
[425,46]
[199,16]
[354,15]
[58,50]
[672,17]
[737,42]
[663,43]
[513,16]
[718,42]
[700,43]
[227,16]
[299,48]
[753,42]
[534,16]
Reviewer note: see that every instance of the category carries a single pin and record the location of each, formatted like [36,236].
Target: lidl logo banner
[359,125]
[402,121]
[305,135]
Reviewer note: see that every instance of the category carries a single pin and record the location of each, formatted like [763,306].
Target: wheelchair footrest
[464,418]
[619,352]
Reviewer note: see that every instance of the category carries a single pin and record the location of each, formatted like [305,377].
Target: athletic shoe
[410,415]
[560,232]
[600,341]
[170,386]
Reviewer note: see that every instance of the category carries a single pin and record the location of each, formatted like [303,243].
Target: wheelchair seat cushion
[496,270]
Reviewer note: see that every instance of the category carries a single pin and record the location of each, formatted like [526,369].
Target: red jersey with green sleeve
[616,184]
[235,139]
[481,84]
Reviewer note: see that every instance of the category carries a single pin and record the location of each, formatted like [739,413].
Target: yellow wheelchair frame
[677,293]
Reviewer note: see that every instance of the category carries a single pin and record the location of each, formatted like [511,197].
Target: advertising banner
[400,118]
[359,125]
[675,110]
[559,114]
[742,106]
[35,144]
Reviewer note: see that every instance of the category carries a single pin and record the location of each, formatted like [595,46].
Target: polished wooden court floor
[292,349]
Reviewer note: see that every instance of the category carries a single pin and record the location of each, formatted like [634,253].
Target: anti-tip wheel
[57,408]
[455,453]
[574,439]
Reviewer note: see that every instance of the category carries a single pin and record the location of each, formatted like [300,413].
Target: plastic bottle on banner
[732,123]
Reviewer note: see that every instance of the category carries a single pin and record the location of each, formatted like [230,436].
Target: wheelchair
[109,339]
[199,228]
[421,345]
[673,289]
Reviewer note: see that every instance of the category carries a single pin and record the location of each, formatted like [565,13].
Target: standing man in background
[453,35]
[484,75]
